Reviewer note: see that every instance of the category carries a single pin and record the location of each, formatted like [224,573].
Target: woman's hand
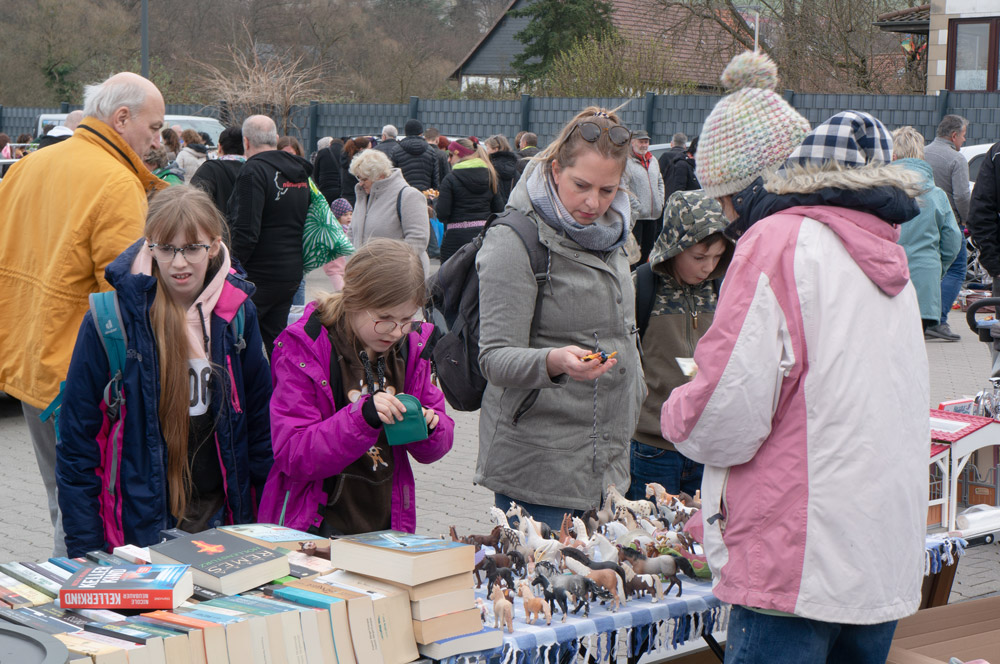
[431,417]
[566,360]
[390,409]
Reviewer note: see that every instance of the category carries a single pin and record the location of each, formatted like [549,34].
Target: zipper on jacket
[234,396]
[525,406]
[723,514]
[284,507]
[225,480]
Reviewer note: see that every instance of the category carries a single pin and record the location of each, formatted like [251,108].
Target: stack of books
[434,575]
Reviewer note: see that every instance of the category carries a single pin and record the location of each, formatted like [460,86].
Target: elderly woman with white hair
[386,206]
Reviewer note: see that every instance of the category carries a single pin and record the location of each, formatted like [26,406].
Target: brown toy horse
[503,610]
[533,606]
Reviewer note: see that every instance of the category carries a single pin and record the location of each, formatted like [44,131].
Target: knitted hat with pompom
[749,132]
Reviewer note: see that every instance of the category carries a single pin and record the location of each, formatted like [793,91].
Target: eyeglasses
[192,253]
[387,326]
[591,132]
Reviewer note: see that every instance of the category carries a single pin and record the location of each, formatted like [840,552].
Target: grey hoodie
[535,432]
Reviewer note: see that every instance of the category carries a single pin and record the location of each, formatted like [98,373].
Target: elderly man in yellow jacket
[68,211]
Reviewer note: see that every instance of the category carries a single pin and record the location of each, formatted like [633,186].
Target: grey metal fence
[660,115]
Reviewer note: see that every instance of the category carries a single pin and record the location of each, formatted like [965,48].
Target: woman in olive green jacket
[555,427]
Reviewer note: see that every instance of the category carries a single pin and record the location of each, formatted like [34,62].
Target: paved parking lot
[446,495]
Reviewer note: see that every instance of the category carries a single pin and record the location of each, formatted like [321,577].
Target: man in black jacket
[218,176]
[416,159]
[680,175]
[984,215]
[676,151]
[326,168]
[267,212]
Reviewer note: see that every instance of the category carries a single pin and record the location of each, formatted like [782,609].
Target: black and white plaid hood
[850,139]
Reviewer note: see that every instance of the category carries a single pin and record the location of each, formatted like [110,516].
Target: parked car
[975,154]
[211,126]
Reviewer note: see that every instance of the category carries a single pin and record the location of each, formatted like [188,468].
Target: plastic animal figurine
[606,579]
[581,557]
[554,596]
[503,610]
[598,355]
[641,584]
[599,547]
[533,606]
[640,507]
[495,574]
[576,585]
[310,549]
[483,611]
[509,537]
[667,566]
[542,528]
[513,560]
[658,493]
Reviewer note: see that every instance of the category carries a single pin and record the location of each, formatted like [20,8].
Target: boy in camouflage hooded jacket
[689,254]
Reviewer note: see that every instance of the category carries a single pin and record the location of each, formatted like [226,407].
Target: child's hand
[568,360]
[389,408]
[431,417]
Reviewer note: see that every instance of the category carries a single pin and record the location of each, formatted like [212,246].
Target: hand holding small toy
[577,363]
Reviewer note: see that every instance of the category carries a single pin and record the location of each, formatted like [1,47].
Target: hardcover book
[273,536]
[401,557]
[222,562]
[128,587]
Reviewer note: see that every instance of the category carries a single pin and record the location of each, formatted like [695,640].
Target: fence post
[650,107]
[1,117]
[789,96]
[525,112]
[313,125]
[942,106]
[414,108]
[64,107]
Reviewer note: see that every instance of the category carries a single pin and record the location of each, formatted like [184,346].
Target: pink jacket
[809,410]
[312,442]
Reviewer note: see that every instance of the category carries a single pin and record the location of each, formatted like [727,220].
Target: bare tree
[259,80]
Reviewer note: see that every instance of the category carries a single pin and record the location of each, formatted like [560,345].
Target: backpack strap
[645,296]
[399,205]
[238,323]
[107,317]
[527,230]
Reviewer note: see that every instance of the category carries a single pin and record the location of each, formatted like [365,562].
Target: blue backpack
[107,319]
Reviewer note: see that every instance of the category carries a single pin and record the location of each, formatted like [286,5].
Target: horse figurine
[581,557]
[534,606]
[667,566]
[604,578]
[509,537]
[503,610]
[640,507]
[542,528]
[553,596]
[641,584]
[495,574]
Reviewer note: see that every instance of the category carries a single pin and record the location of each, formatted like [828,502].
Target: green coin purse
[413,427]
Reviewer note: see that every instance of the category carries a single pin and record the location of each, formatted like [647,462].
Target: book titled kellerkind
[127,587]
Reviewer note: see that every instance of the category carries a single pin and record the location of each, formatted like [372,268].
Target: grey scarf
[594,237]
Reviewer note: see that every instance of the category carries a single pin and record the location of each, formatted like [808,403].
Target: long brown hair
[187,210]
[568,145]
[356,145]
[480,152]
[382,274]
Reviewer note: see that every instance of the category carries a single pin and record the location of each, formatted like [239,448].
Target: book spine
[204,594]
[146,598]
[13,599]
[47,573]
[95,628]
[36,581]
[105,558]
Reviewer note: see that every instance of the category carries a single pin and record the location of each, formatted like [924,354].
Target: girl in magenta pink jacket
[336,373]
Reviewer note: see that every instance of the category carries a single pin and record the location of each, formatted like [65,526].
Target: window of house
[972,54]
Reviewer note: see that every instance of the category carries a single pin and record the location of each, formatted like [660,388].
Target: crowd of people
[799,271]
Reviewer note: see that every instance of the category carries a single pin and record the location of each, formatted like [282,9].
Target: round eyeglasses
[591,132]
[387,326]
[192,253]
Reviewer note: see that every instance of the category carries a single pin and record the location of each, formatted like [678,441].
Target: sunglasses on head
[591,132]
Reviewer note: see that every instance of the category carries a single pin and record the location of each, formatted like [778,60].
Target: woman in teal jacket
[932,239]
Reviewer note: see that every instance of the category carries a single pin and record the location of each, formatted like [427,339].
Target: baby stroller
[987,402]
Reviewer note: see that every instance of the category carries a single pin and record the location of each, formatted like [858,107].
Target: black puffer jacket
[267,212]
[418,162]
[505,163]
[326,171]
[466,194]
[217,177]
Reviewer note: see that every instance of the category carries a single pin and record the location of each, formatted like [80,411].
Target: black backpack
[645,295]
[455,294]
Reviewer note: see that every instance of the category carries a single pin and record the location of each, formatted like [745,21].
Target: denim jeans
[951,283]
[300,294]
[671,469]
[758,638]
[545,513]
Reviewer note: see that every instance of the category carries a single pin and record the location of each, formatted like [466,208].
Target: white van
[211,126]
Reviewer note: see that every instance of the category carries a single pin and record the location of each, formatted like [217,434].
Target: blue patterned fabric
[648,626]
[850,138]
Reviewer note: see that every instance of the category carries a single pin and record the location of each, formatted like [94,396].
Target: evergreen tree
[556,25]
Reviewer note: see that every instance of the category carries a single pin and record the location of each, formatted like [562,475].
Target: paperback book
[128,587]
[401,557]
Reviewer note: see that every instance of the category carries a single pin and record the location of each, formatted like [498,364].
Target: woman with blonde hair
[385,206]
[559,350]
[469,194]
[191,445]
[337,374]
[932,239]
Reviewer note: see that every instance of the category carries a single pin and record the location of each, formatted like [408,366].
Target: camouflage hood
[688,218]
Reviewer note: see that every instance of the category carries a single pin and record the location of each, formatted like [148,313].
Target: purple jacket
[312,440]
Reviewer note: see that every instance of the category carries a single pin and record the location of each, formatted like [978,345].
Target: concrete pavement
[445,493]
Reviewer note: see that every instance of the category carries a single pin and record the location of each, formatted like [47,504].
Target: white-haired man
[388,142]
[69,210]
[267,212]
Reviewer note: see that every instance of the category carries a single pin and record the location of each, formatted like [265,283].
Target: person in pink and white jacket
[809,408]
